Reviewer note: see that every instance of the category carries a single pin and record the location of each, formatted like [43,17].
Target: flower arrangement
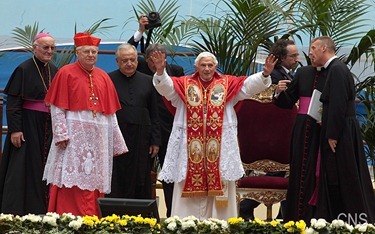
[338,226]
[52,223]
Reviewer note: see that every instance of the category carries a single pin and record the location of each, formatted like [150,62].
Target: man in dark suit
[287,53]
[145,65]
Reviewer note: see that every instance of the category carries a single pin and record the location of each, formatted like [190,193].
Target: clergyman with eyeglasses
[28,140]
[86,135]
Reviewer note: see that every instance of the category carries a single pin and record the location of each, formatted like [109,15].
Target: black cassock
[304,144]
[139,123]
[345,190]
[22,190]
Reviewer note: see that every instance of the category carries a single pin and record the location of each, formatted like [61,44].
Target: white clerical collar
[329,61]
[285,69]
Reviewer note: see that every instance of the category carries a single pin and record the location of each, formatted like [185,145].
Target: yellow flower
[289,224]
[88,221]
[301,225]
[151,222]
[234,221]
[274,223]
[122,222]
[258,221]
[112,218]
[138,219]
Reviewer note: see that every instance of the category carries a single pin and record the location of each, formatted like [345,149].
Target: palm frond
[235,36]
[97,27]
[365,46]
[24,36]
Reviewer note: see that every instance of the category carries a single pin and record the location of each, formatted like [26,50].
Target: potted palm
[366,95]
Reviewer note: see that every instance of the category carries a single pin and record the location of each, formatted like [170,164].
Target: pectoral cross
[94,99]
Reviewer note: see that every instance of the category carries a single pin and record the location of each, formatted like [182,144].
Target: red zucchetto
[85,39]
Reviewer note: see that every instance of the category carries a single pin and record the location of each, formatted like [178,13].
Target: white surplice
[87,160]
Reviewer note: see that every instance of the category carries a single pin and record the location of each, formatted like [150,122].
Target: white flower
[320,224]
[349,227]
[172,219]
[67,216]
[217,224]
[211,223]
[311,230]
[53,214]
[50,220]
[171,226]
[76,224]
[6,217]
[187,224]
[190,218]
[337,223]
[224,224]
[31,217]
[313,222]
[362,227]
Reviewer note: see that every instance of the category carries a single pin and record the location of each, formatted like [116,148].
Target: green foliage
[241,29]
[366,94]
[365,47]
[25,36]
[98,27]
[338,19]
[235,37]
[172,32]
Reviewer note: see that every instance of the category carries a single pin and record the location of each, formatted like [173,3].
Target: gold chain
[41,77]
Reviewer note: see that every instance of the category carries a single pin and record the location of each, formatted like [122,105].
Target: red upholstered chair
[264,133]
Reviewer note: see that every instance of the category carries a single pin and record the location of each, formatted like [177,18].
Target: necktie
[290,76]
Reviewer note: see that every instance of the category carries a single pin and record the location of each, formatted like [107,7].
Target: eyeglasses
[87,52]
[46,48]
[125,61]
[293,55]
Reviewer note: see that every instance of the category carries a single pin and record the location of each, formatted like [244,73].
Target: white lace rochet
[87,160]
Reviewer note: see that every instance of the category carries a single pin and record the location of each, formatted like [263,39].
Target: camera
[154,20]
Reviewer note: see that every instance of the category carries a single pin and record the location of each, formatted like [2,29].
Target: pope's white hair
[205,55]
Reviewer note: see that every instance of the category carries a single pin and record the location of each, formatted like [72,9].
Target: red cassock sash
[205,112]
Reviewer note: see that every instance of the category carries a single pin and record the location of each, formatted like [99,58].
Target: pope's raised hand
[269,65]
[158,58]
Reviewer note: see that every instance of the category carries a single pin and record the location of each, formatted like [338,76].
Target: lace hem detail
[87,160]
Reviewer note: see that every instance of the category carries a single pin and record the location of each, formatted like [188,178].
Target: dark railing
[4,128]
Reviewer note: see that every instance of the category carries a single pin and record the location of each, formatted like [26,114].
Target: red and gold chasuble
[205,112]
